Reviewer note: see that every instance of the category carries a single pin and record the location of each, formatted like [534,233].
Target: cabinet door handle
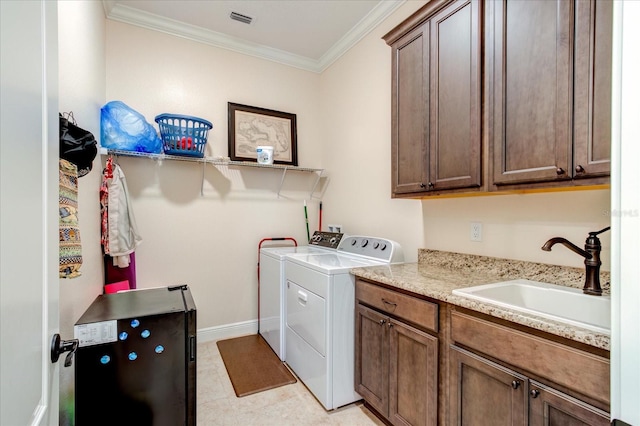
[382,321]
[559,171]
[515,384]
[422,185]
[534,393]
[430,184]
[579,169]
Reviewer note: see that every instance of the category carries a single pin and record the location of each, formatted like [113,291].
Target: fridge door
[138,369]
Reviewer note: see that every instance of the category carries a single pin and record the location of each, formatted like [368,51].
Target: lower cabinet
[420,363]
[486,393]
[482,392]
[372,358]
[396,368]
[548,406]
[413,376]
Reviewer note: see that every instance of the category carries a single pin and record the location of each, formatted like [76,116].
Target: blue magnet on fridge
[145,334]
[135,323]
[159,349]
[105,359]
[123,335]
[133,356]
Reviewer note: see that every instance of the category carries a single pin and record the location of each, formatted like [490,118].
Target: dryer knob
[364,243]
[376,245]
[353,242]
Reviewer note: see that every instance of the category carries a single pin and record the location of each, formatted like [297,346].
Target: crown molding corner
[359,31]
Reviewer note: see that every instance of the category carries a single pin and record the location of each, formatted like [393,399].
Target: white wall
[81,29]
[516,226]
[210,242]
[356,107]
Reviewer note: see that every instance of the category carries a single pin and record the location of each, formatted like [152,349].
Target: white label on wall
[96,333]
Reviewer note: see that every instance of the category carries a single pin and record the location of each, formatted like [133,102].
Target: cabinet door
[484,393]
[455,140]
[413,376]
[409,111]
[550,407]
[529,60]
[592,112]
[372,359]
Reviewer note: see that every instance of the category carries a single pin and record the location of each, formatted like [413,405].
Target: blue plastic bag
[123,128]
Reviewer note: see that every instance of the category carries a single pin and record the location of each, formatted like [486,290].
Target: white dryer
[272,286]
[320,314]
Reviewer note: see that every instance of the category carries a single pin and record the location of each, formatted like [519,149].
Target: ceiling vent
[241,18]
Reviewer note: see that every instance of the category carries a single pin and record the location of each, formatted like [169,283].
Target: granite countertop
[438,273]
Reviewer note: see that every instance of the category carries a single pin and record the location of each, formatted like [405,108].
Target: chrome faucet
[591,254]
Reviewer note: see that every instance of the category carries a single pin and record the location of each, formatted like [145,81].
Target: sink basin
[563,304]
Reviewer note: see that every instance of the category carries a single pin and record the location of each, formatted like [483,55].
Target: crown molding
[129,15]
[359,31]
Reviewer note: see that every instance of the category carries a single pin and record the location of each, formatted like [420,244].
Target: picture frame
[250,127]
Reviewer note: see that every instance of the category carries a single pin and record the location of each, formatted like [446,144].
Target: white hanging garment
[123,231]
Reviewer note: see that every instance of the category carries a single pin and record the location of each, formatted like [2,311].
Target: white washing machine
[272,286]
[320,314]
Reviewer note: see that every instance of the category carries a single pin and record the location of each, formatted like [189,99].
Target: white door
[28,211]
[625,215]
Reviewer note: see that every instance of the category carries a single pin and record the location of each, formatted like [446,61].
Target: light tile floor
[293,404]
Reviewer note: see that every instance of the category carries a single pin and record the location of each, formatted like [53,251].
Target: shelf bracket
[204,166]
[284,173]
[315,185]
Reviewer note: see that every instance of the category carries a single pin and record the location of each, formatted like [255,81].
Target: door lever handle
[59,346]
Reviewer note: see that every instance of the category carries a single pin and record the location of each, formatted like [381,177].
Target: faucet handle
[593,234]
[593,241]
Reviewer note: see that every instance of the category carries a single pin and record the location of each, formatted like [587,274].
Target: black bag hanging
[76,144]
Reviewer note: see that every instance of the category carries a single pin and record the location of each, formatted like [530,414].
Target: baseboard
[227,331]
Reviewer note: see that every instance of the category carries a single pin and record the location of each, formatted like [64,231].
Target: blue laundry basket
[183,134]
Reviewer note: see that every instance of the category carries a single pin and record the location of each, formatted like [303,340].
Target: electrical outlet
[476,231]
[335,228]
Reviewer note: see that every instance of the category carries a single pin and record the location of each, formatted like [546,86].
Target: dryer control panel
[375,248]
[326,239]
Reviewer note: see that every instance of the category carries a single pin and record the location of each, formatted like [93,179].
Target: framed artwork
[250,127]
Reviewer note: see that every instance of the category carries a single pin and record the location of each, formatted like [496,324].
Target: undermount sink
[563,304]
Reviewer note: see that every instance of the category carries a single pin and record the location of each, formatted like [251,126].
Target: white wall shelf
[219,161]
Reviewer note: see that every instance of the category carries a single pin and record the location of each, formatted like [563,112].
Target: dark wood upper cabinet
[529,60]
[410,111]
[592,93]
[492,95]
[549,91]
[455,136]
[436,99]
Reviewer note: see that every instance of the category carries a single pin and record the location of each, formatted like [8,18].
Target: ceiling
[307,34]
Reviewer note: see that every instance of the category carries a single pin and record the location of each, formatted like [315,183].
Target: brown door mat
[252,365]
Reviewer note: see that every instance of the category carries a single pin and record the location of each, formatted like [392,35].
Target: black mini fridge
[136,359]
